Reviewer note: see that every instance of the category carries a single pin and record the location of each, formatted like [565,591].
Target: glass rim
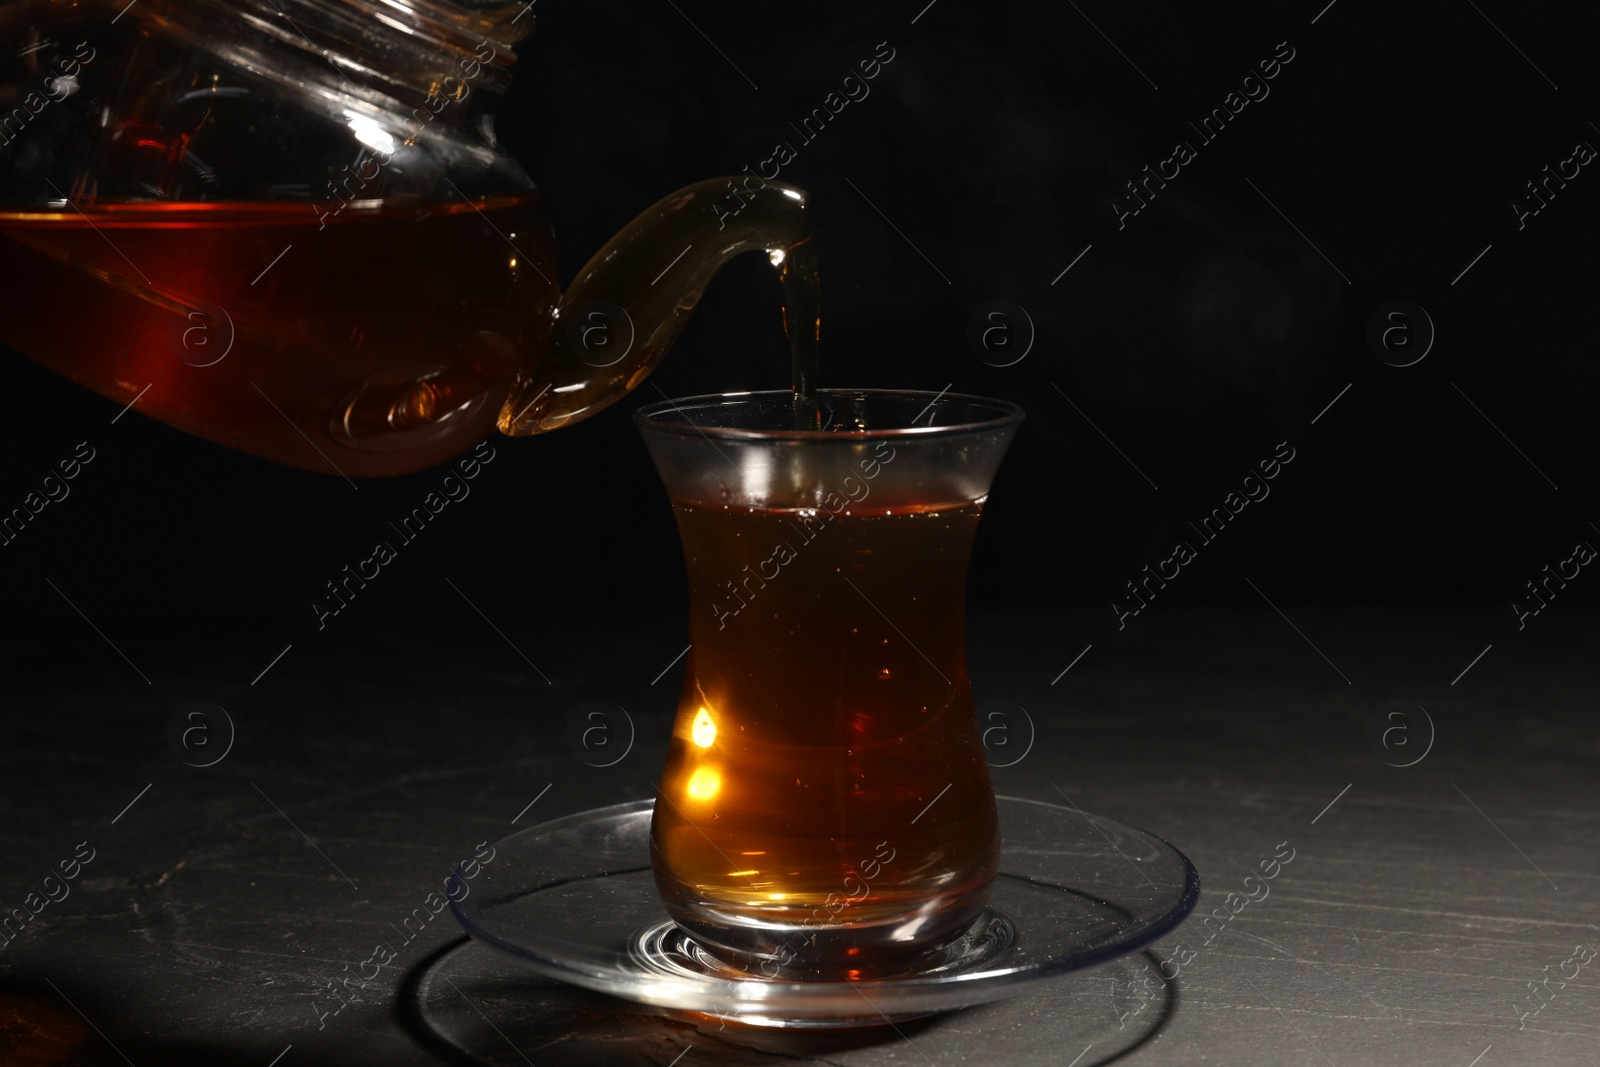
[650,416]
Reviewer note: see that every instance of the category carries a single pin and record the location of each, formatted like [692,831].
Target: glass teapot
[285,226]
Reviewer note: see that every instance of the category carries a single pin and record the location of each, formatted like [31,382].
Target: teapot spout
[632,299]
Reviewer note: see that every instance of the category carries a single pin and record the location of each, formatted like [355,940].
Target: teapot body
[285,226]
[313,254]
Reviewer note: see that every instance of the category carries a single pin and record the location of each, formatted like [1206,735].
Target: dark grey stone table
[1441,913]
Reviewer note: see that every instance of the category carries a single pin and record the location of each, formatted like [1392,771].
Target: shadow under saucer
[486,1009]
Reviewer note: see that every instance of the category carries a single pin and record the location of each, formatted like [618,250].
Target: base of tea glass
[574,900]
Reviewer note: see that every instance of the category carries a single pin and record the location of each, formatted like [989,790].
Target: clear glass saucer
[573,899]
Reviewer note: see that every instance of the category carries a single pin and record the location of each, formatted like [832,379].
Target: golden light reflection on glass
[704,731]
[704,783]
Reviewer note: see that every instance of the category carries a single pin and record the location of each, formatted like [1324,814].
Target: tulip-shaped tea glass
[826,812]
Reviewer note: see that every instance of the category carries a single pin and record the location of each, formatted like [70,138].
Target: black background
[1196,338]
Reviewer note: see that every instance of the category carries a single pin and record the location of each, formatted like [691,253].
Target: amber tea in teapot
[421,291]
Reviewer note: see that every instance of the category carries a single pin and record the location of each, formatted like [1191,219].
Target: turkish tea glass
[825,811]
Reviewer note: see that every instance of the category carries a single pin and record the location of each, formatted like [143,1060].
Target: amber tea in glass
[825,810]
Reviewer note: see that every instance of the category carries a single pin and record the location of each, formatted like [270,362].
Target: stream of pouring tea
[803,322]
